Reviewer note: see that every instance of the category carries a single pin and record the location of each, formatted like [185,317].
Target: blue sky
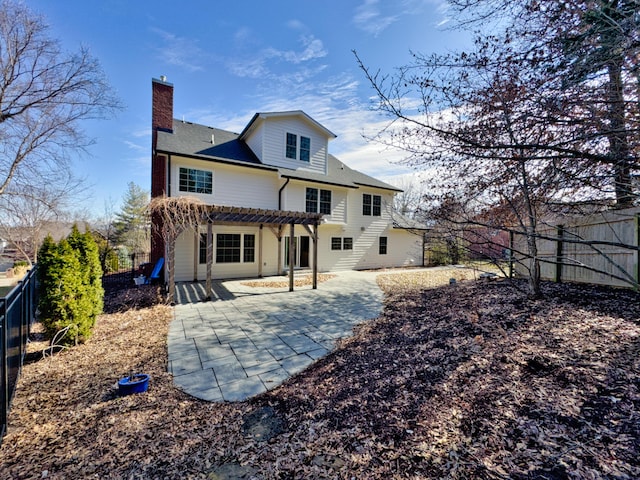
[229,60]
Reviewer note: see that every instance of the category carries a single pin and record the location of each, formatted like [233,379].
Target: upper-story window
[318,201]
[298,147]
[193,180]
[371,205]
[305,149]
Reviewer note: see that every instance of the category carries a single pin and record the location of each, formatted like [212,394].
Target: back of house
[279,163]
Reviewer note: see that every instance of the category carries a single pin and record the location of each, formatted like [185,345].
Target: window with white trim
[229,247]
[382,246]
[318,201]
[192,180]
[371,205]
[341,243]
[203,248]
[298,147]
[249,248]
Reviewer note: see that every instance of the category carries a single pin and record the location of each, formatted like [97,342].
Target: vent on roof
[213,139]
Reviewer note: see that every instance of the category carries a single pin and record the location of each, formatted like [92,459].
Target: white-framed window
[249,248]
[235,248]
[318,201]
[298,147]
[341,243]
[202,251]
[193,180]
[371,205]
[382,246]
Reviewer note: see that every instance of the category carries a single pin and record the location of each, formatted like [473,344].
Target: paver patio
[251,339]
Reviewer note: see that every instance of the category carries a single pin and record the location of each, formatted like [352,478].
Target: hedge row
[71,292]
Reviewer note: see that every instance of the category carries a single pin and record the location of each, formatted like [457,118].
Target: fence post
[637,250]
[559,248]
[133,265]
[4,367]
[511,254]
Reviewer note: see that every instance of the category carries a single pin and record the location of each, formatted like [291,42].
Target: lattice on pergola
[173,215]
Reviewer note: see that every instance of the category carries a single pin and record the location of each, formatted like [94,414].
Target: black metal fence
[17,312]
[121,272]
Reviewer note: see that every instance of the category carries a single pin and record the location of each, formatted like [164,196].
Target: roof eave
[239,163]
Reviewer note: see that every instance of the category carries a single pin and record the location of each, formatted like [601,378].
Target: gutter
[280,193]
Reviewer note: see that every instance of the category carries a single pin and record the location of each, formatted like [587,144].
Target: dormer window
[298,147]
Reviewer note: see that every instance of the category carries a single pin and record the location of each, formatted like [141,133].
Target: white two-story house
[279,163]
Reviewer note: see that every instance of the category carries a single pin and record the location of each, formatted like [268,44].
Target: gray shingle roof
[338,174]
[195,141]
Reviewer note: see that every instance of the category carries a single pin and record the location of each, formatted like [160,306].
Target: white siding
[232,185]
[339,206]
[274,143]
[255,142]
[294,199]
[188,267]
[403,248]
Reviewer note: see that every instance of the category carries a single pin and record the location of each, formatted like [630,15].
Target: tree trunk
[534,267]
[170,264]
[618,139]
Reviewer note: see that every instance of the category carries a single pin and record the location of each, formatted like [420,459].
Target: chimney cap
[162,79]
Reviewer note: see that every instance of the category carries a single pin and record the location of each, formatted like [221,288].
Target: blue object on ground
[137,383]
[155,273]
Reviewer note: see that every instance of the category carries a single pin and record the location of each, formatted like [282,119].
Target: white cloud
[135,147]
[369,18]
[179,51]
[374,16]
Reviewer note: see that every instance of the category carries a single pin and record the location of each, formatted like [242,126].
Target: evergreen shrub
[71,292]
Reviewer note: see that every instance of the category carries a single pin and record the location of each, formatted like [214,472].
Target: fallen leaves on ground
[471,380]
[298,281]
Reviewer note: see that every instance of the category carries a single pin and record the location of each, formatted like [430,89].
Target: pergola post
[209,286]
[291,255]
[260,252]
[315,255]
[279,235]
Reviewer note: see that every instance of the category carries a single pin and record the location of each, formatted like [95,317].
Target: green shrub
[70,285]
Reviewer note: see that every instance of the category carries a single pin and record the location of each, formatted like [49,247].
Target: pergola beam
[275,220]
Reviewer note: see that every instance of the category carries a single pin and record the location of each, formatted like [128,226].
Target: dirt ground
[470,380]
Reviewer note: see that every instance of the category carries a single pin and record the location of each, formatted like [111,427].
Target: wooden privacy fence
[598,249]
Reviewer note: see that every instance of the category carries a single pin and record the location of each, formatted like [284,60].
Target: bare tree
[25,218]
[172,216]
[407,202]
[45,93]
[506,138]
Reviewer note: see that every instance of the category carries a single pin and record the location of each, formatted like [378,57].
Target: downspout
[280,193]
[168,175]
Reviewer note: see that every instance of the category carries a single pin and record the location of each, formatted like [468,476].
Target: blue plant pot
[138,383]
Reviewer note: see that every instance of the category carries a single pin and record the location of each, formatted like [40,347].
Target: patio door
[301,247]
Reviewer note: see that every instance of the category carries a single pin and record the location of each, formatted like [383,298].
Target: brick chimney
[161,120]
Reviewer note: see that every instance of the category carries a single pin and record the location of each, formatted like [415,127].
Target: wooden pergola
[275,220]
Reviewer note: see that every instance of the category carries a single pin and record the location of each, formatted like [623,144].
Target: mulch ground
[471,380]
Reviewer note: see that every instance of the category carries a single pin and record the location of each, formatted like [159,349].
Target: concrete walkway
[251,339]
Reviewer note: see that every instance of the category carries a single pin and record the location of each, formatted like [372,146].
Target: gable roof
[260,117]
[212,144]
